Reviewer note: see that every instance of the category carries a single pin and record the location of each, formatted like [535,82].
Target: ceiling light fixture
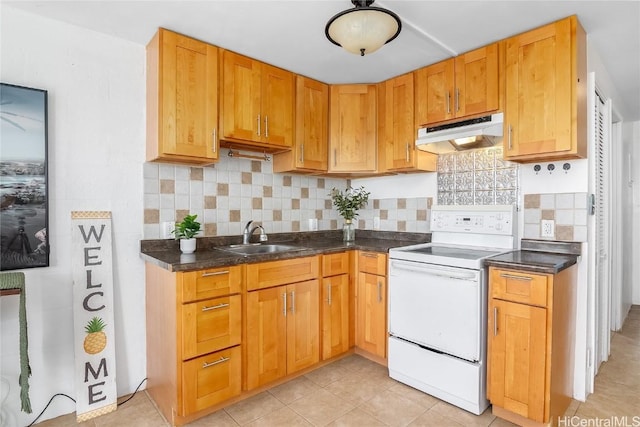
[363,29]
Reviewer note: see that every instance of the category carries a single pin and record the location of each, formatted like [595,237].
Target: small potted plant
[186,231]
[348,203]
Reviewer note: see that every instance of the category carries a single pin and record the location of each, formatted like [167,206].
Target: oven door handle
[471,276]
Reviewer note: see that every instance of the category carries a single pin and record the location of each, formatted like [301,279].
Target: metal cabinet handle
[509,138]
[407,155]
[284,307]
[457,100]
[335,157]
[266,126]
[369,255]
[215,140]
[329,293]
[293,302]
[379,291]
[495,321]
[221,360]
[258,120]
[522,278]
[448,102]
[214,307]
[302,153]
[215,273]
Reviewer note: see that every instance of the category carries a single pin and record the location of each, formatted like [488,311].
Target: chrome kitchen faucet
[248,231]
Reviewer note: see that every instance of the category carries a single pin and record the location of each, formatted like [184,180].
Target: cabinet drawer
[211,379]
[334,264]
[275,273]
[373,263]
[211,283]
[210,325]
[518,286]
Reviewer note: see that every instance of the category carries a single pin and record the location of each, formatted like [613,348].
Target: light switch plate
[167,229]
[547,228]
[376,223]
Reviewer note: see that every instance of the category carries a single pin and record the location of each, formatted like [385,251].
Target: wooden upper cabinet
[257,104]
[182,99]
[396,130]
[352,128]
[309,153]
[545,93]
[464,86]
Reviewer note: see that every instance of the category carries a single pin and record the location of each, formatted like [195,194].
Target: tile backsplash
[233,191]
[567,210]
[477,177]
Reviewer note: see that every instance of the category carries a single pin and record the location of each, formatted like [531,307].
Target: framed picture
[24,218]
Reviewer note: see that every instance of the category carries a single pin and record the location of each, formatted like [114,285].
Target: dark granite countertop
[538,257]
[165,253]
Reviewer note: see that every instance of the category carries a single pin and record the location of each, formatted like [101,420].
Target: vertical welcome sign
[95,361]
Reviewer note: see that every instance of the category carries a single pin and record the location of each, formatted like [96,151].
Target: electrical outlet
[167,229]
[376,223]
[547,228]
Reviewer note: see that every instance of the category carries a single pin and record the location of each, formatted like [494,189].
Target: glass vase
[348,231]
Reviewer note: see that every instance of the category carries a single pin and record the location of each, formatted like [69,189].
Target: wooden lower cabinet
[282,331]
[371,304]
[335,315]
[531,327]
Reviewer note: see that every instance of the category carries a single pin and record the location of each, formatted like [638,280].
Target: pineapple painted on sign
[96,339]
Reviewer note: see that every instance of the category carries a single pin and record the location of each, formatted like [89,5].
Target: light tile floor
[356,392]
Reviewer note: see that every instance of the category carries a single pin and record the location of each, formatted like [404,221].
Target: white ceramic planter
[188,246]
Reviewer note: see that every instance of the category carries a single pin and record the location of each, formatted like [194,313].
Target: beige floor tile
[294,389]
[423,399]
[253,408]
[327,374]
[432,418]
[280,417]
[463,417]
[357,388]
[217,419]
[65,421]
[573,407]
[393,409]
[321,407]
[356,418]
[137,412]
[355,363]
[499,422]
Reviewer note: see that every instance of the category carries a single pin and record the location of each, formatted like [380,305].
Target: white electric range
[438,303]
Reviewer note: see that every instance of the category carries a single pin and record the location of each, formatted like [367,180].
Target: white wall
[96,89]
[632,130]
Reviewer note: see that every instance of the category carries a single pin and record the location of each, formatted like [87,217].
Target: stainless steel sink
[259,248]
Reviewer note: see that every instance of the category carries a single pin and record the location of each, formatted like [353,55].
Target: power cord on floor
[71,398]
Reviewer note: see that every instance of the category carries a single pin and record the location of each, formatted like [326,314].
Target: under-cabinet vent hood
[464,135]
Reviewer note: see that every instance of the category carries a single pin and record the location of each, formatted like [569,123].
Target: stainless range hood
[464,135]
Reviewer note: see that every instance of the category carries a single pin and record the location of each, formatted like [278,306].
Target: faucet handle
[263,235]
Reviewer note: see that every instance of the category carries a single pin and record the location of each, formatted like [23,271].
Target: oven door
[437,307]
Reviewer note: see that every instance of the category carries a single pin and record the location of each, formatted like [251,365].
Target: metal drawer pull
[369,255]
[215,273]
[222,360]
[495,321]
[379,291]
[511,276]
[215,307]
[293,302]
[284,307]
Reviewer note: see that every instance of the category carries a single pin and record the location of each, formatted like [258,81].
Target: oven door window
[437,307]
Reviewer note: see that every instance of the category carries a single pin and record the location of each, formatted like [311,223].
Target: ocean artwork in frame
[24,218]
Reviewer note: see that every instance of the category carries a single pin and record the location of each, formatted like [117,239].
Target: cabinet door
[517,353]
[371,317]
[353,143]
[538,102]
[312,119]
[277,106]
[182,99]
[303,325]
[335,315]
[399,132]
[241,97]
[477,89]
[265,338]
[434,93]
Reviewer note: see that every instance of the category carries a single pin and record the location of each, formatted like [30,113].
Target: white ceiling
[290,34]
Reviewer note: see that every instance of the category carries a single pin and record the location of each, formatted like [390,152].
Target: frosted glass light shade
[364,29]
